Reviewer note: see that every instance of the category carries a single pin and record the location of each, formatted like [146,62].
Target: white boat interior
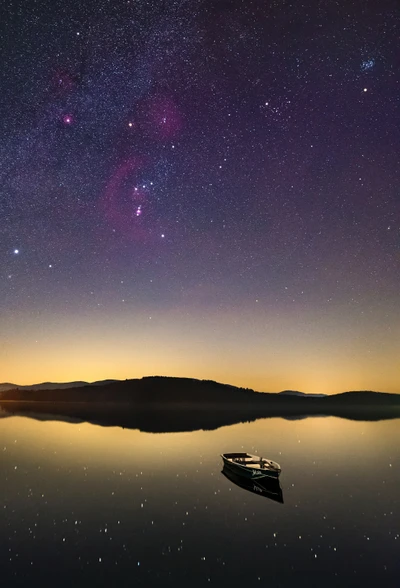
[252,461]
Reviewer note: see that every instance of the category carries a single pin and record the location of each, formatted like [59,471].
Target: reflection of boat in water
[251,466]
[267,487]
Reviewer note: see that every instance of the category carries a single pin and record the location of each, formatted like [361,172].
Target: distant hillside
[152,389]
[296,393]
[6,386]
[53,385]
[165,390]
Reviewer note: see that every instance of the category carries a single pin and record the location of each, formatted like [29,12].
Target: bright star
[16,251]
[68,119]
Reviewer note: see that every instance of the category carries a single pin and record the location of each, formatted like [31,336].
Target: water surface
[85,505]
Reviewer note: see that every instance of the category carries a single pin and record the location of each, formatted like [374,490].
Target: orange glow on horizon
[265,352]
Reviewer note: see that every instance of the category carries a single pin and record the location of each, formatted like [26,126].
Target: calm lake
[85,505]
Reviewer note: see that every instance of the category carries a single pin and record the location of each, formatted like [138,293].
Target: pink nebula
[123,202]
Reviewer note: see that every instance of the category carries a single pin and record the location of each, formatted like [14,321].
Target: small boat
[266,487]
[251,466]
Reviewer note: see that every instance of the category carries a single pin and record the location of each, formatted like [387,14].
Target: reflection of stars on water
[367,64]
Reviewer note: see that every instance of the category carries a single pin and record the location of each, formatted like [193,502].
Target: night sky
[201,188]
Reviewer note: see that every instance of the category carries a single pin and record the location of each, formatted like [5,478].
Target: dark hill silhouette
[52,385]
[297,393]
[176,404]
[151,389]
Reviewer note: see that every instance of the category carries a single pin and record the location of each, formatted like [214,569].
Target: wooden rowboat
[251,466]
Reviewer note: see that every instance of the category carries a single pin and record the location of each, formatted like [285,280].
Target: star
[67,119]
[16,251]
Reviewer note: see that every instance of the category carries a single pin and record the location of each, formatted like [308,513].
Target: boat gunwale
[273,466]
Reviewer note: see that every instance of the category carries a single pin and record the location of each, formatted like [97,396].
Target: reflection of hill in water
[167,419]
[182,404]
[157,420]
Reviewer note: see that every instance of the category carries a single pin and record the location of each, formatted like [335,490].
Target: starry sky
[203,188]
